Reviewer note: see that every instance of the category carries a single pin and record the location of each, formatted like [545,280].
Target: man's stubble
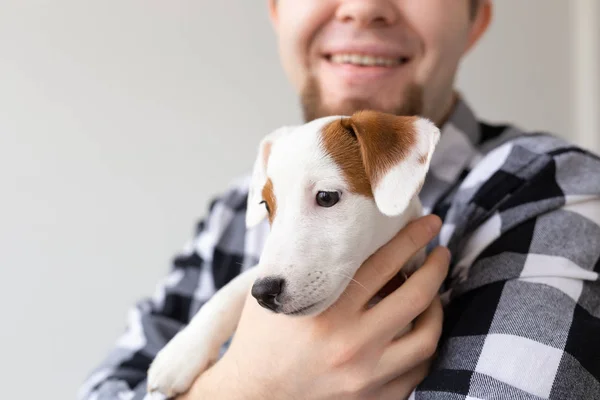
[313,104]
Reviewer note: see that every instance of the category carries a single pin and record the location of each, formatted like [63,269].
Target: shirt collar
[455,150]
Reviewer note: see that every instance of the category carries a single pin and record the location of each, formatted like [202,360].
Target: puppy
[334,190]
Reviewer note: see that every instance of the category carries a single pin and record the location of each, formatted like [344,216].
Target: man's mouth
[363,60]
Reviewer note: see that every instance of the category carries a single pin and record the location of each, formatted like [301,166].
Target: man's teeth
[370,61]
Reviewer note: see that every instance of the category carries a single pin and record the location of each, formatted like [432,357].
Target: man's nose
[266,290]
[367,13]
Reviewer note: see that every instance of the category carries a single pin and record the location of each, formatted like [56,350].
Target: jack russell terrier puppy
[334,190]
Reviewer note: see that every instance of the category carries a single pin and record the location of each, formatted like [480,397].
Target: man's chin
[316,105]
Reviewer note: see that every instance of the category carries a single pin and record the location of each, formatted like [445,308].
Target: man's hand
[348,351]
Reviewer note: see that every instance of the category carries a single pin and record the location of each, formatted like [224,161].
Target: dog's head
[334,190]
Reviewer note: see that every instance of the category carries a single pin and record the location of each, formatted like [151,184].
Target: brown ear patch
[345,151]
[269,198]
[385,140]
[367,145]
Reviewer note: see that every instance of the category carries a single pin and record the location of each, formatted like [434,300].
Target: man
[521,218]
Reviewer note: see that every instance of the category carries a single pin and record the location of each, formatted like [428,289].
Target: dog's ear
[396,152]
[256,211]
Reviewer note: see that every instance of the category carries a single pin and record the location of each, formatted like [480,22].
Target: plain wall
[120,119]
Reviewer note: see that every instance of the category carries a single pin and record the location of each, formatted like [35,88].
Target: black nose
[266,291]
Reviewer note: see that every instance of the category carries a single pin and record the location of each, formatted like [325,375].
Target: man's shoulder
[225,215]
[234,196]
[517,176]
[519,154]
[544,143]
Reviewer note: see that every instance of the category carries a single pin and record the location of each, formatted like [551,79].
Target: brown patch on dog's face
[345,151]
[385,140]
[423,159]
[269,199]
[367,145]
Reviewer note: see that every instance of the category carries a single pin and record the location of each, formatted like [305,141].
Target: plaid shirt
[522,300]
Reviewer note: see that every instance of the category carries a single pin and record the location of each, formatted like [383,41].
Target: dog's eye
[266,206]
[327,199]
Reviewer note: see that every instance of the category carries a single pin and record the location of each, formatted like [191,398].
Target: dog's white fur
[316,250]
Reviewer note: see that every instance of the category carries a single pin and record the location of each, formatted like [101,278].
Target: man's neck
[449,110]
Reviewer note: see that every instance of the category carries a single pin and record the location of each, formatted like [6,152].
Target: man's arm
[524,314]
[154,321]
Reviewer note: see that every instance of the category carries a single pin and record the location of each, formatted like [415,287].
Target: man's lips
[365,60]
[372,54]
[363,69]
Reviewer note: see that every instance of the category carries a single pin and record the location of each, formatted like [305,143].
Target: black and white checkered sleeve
[523,317]
[206,263]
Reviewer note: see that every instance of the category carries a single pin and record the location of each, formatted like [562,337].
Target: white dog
[334,190]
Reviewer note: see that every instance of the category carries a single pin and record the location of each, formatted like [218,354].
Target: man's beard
[313,106]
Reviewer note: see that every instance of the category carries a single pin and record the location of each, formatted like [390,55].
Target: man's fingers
[402,306]
[415,347]
[385,263]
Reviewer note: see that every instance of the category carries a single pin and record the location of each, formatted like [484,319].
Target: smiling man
[519,213]
[398,56]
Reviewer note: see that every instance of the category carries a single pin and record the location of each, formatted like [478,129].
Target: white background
[120,119]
